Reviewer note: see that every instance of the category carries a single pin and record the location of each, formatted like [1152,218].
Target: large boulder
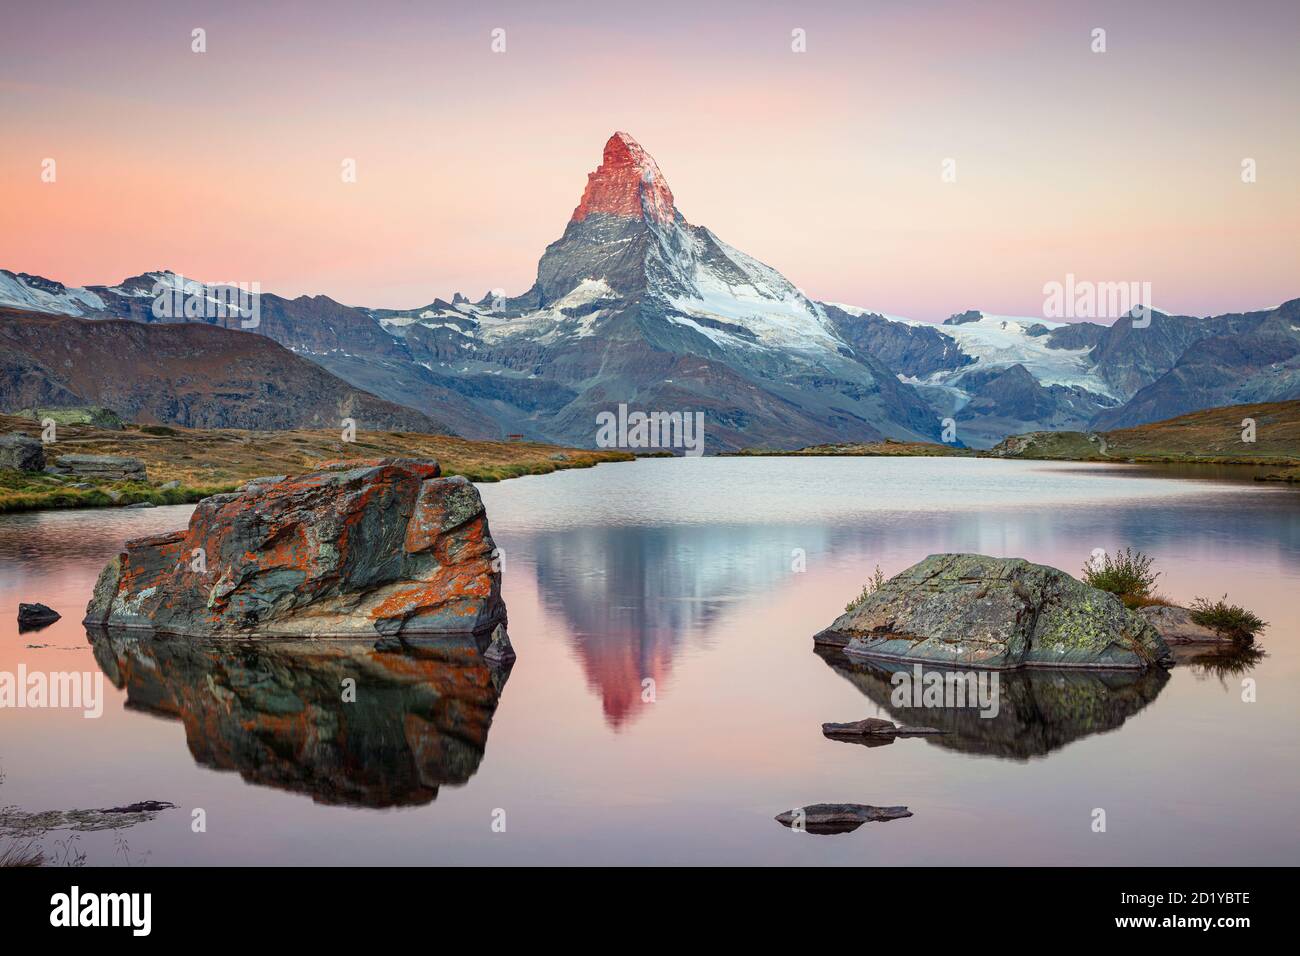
[976,611]
[21,452]
[103,467]
[358,548]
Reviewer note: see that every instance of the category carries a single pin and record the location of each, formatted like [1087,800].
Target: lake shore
[892,449]
[1261,435]
[203,462]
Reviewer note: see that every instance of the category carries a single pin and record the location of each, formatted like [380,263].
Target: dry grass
[1135,601]
[1214,435]
[21,855]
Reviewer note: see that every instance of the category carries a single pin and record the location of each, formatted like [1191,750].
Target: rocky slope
[185,374]
[1253,357]
[1209,435]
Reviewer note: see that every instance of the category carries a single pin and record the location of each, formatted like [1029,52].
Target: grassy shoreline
[941,451]
[208,461]
[1212,436]
[211,461]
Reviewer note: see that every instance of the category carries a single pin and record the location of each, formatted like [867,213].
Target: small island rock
[973,610]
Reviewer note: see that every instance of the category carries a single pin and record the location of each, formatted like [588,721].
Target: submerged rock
[1175,626]
[838,817]
[977,611]
[355,549]
[21,824]
[31,616]
[876,727]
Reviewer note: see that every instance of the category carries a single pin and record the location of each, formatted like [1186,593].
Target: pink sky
[1122,166]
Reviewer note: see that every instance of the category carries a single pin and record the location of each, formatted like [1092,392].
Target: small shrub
[1127,575]
[1230,620]
[872,586]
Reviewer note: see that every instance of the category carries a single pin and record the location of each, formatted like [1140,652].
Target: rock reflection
[278,712]
[1039,710]
[1224,663]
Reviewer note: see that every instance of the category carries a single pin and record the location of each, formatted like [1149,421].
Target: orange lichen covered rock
[356,548]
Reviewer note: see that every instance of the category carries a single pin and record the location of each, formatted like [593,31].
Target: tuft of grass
[1230,620]
[1151,600]
[1127,575]
[871,587]
[16,856]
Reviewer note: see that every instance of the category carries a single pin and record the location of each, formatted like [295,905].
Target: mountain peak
[627,184]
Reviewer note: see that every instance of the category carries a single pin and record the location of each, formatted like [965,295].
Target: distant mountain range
[183,374]
[634,305]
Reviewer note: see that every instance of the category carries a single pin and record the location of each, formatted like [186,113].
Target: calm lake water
[686,573]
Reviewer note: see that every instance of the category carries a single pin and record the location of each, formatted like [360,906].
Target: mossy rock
[973,610]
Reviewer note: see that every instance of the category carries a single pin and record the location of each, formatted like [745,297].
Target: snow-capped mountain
[634,305]
[627,238]
[18,290]
[993,374]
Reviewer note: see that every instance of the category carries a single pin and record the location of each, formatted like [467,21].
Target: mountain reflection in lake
[283,713]
[667,702]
